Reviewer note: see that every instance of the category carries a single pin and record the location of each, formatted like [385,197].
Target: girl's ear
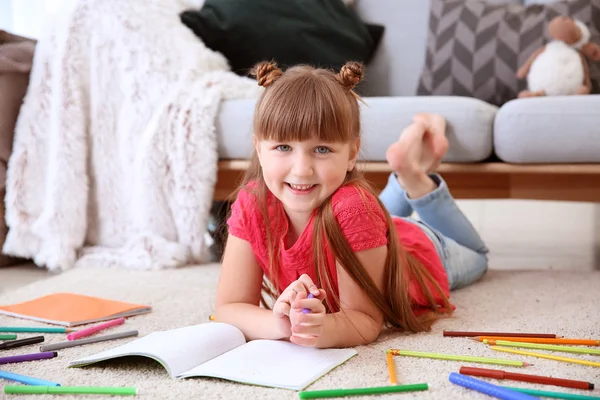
[354,149]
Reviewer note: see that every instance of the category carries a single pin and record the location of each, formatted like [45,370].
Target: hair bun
[351,74]
[266,73]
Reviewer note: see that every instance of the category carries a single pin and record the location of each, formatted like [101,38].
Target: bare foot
[434,139]
[526,93]
[418,152]
[583,89]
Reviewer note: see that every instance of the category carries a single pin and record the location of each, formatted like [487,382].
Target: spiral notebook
[71,309]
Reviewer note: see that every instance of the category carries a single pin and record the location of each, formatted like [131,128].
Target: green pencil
[553,347]
[556,395]
[113,391]
[8,337]
[36,330]
[325,394]
[452,357]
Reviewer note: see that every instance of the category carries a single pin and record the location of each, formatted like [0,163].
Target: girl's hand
[282,307]
[281,312]
[307,327]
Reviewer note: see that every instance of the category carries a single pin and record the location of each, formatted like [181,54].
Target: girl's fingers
[285,309]
[314,304]
[304,341]
[322,294]
[309,319]
[282,309]
[306,330]
[308,284]
[292,296]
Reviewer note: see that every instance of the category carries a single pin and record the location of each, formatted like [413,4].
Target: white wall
[27,17]
[528,234]
[6,15]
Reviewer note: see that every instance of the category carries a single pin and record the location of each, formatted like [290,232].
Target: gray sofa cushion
[549,130]
[470,124]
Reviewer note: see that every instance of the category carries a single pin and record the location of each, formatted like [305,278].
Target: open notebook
[71,309]
[220,350]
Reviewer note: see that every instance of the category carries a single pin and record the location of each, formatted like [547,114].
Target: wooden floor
[562,182]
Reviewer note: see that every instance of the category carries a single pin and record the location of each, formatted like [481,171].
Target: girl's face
[303,174]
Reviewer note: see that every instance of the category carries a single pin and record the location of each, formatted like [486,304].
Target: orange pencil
[391,368]
[585,342]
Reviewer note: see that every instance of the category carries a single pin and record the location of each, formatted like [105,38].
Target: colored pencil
[585,342]
[503,334]
[544,380]
[325,394]
[21,342]
[19,329]
[306,310]
[487,388]
[28,380]
[93,329]
[541,346]
[28,357]
[548,356]
[8,337]
[391,368]
[79,342]
[556,395]
[115,391]
[452,357]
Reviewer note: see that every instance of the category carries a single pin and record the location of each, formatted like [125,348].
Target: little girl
[307,230]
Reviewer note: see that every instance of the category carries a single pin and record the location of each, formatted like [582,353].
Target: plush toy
[560,67]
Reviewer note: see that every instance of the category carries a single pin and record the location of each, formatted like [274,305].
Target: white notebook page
[273,363]
[179,349]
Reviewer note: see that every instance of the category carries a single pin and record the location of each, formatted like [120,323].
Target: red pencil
[504,334]
[544,380]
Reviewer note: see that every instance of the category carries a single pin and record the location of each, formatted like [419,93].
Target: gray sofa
[537,148]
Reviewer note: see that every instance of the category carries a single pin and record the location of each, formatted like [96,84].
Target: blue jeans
[463,253]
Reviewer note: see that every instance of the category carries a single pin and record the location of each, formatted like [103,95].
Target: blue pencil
[487,388]
[28,380]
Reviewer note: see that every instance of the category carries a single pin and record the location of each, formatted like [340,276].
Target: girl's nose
[302,166]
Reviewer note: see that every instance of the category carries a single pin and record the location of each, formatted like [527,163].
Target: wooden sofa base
[495,180]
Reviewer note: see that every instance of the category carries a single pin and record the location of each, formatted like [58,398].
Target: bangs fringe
[310,106]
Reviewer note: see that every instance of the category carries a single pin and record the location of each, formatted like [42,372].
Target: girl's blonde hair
[304,103]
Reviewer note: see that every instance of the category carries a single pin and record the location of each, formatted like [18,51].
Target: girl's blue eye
[283,147]
[322,150]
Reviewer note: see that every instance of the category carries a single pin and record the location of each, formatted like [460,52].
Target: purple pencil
[28,357]
[306,310]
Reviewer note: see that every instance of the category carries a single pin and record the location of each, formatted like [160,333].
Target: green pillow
[322,33]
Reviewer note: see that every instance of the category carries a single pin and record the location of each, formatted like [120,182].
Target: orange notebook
[70,309]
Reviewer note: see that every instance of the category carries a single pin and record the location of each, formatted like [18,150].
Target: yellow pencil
[548,356]
[391,368]
[540,346]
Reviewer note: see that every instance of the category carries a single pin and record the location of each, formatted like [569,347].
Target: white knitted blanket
[115,152]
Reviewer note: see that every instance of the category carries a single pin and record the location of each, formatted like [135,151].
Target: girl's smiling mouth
[301,189]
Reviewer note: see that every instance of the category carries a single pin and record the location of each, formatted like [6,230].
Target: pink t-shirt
[360,218]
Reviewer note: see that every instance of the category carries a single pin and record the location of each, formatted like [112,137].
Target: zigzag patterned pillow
[475,48]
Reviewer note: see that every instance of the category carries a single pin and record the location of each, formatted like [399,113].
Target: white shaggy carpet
[562,302]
